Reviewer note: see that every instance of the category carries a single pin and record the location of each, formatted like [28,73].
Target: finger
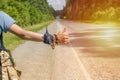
[66,41]
[66,34]
[66,37]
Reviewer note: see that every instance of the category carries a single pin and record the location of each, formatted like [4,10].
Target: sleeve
[5,21]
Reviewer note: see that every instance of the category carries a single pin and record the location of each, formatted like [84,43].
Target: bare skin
[28,35]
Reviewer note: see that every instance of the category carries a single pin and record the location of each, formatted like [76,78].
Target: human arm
[25,34]
[7,23]
[29,35]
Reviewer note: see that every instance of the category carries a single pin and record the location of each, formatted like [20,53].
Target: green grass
[11,41]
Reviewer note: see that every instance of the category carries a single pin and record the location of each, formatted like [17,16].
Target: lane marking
[86,74]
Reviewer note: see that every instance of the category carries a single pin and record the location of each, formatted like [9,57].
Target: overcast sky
[57,4]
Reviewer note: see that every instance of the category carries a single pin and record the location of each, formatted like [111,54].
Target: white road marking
[86,74]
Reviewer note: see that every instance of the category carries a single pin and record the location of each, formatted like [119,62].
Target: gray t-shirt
[5,22]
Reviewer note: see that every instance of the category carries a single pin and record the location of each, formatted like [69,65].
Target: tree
[27,12]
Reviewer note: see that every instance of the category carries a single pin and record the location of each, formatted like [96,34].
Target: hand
[62,36]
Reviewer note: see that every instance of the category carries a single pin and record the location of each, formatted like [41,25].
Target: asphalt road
[93,53]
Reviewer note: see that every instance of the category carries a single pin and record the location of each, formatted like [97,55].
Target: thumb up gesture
[62,36]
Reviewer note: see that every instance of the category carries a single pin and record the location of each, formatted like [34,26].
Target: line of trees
[27,12]
[108,10]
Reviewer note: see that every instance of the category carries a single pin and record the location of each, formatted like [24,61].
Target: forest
[102,10]
[27,12]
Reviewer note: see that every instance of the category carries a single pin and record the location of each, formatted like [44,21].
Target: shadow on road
[94,47]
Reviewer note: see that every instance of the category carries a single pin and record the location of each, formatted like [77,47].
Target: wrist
[42,37]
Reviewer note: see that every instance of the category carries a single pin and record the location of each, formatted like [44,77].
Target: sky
[57,4]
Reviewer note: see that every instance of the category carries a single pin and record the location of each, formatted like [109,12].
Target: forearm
[28,35]
[24,34]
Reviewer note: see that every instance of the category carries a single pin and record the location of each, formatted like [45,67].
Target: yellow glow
[109,34]
[106,23]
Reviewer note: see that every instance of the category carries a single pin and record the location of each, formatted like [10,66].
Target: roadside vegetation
[93,11]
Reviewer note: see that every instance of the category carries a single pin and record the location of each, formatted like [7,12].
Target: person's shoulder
[1,12]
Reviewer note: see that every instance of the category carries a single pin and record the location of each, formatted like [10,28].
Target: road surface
[93,53]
